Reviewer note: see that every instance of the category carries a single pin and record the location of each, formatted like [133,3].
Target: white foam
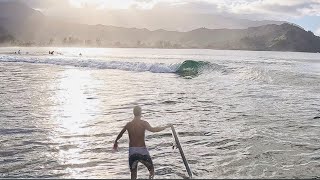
[94,63]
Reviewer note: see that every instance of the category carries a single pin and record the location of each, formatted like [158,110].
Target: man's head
[137,111]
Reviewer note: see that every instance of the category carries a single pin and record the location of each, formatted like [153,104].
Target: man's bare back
[136,130]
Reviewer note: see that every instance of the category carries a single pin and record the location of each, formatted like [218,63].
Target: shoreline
[187,48]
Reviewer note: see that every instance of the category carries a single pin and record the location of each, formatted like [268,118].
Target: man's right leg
[134,173]
[149,164]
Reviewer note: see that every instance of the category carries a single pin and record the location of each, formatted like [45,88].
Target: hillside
[30,28]
[5,37]
[169,19]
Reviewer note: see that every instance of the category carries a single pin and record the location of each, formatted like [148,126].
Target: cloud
[274,8]
[187,7]
[95,11]
[317,32]
[42,4]
[251,9]
[45,3]
[255,9]
[145,1]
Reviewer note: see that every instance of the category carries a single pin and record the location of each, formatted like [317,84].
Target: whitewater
[239,114]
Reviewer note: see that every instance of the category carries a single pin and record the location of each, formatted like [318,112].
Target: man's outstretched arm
[156,129]
[115,146]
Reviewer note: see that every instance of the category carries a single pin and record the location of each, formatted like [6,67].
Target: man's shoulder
[127,124]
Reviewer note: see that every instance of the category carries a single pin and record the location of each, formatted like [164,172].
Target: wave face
[186,68]
[190,68]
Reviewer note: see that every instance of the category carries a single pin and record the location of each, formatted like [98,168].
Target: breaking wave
[185,68]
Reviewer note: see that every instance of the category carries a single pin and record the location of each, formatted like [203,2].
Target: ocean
[238,114]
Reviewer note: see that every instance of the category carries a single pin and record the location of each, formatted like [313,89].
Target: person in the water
[138,151]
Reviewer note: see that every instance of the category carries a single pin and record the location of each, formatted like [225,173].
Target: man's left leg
[147,161]
[151,172]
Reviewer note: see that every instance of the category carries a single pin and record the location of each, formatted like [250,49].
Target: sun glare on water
[72,97]
[72,115]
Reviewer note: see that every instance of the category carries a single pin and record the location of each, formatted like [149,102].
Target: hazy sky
[303,12]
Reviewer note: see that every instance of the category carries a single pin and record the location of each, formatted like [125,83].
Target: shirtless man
[138,151]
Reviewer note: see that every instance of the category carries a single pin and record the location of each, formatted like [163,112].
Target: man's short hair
[137,111]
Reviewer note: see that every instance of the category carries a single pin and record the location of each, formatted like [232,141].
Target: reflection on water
[75,102]
[75,111]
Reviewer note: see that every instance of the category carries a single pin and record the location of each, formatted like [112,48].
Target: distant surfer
[19,52]
[138,151]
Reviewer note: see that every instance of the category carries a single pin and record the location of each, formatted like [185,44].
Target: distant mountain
[31,28]
[19,20]
[3,31]
[167,19]
[17,10]
[5,37]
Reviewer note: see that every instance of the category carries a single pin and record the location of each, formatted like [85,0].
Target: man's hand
[115,146]
[169,125]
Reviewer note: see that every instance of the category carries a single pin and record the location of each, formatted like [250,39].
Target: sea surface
[239,114]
